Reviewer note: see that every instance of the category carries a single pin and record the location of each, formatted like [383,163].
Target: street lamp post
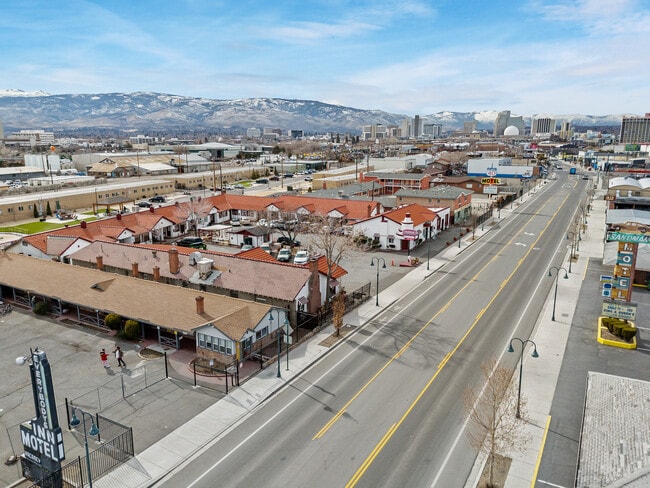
[94,430]
[572,244]
[557,275]
[279,334]
[372,263]
[428,251]
[521,364]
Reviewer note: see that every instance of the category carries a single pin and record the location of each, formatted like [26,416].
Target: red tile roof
[419,214]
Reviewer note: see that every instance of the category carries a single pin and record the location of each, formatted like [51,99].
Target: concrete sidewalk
[167,454]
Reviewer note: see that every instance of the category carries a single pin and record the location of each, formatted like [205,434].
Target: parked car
[193,242]
[144,204]
[288,242]
[239,186]
[266,246]
[235,222]
[288,175]
[284,255]
[246,247]
[245,220]
[308,178]
[157,199]
[263,223]
[262,181]
[301,257]
[274,178]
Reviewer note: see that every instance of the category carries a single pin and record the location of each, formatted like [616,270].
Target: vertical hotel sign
[41,436]
[621,284]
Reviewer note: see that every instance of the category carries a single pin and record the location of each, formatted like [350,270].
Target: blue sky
[401,56]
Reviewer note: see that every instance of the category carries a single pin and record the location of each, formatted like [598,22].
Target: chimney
[156,273]
[369,211]
[200,307]
[100,263]
[174,265]
[314,299]
[134,270]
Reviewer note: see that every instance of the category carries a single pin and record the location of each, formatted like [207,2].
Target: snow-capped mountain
[156,113]
[13,92]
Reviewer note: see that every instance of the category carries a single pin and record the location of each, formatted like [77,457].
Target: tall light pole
[572,244]
[94,430]
[279,335]
[521,364]
[557,275]
[372,263]
[428,251]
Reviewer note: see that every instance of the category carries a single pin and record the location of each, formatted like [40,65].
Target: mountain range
[157,113]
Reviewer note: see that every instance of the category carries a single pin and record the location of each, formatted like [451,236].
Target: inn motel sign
[41,436]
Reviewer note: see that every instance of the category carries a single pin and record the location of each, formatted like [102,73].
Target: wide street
[385,408]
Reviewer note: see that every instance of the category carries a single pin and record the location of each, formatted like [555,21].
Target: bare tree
[493,428]
[338,310]
[330,239]
[193,212]
[290,228]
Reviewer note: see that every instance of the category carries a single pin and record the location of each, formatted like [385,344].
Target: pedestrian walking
[118,355]
[104,357]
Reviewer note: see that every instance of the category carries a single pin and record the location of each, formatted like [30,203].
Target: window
[261,333]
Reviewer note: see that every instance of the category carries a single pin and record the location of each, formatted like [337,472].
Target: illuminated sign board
[619,310]
[409,234]
[623,237]
[490,181]
[41,436]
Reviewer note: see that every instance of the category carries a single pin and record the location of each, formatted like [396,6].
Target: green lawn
[35,227]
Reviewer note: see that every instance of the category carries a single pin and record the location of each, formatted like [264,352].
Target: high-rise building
[505,120]
[635,130]
[433,131]
[565,130]
[373,132]
[543,125]
[470,126]
[406,128]
[417,127]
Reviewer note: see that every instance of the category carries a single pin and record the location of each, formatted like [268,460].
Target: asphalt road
[385,408]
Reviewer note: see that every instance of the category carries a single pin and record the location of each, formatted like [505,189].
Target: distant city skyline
[411,57]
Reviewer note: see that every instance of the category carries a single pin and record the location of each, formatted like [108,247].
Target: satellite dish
[195,257]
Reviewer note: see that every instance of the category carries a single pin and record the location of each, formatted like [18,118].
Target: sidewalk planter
[609,330]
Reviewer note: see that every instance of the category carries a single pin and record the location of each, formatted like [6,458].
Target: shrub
[131,329]
[616,329]
[40,308]
[628,333]
[113,321]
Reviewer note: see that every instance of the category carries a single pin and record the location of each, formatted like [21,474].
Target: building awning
[302,300]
